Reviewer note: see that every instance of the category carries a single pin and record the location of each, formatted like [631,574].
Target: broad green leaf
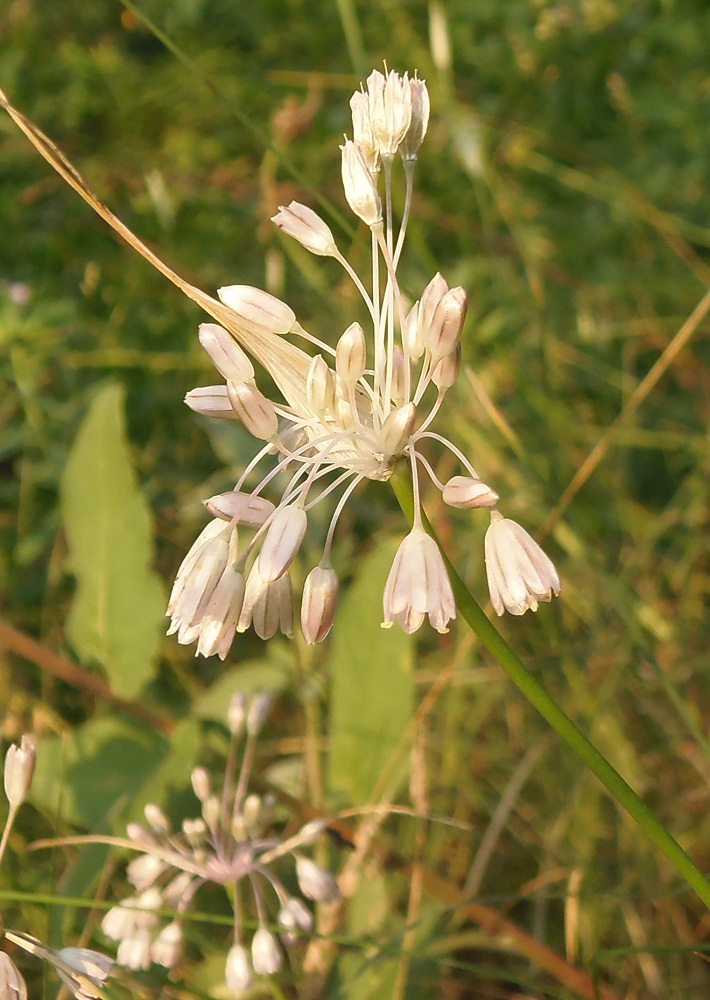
[94,774]
[372,695]
[117,613]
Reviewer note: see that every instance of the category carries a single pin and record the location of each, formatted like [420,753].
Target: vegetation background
[564,183]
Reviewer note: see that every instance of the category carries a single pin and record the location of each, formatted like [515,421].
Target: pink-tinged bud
[258,307]
[360,190]
[255,411]
[211,401]
[431,297]
[320,387]
[447,370]
[320,597]
[465,492]
[419,97]
[19,768]
[351,354]
[241,508]
[237,973]
[314,882]
[282,542]
[519,572]
[362,132]
[266,955]
[447,322]
[225,353]
[307,227]
[197,577]
[397,429]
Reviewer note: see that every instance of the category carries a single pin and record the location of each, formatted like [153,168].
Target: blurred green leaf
[372,695]
[94,773]
[117,612]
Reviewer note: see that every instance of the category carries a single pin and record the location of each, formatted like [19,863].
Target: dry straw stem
[642,390]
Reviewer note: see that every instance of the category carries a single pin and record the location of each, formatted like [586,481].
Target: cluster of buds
[82,970]
[349,413]
[230,845]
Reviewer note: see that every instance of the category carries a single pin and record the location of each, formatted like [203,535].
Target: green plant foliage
[372,695]
[119,605]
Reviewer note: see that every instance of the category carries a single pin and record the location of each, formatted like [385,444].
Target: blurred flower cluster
[349,413]
[231,845]
[82,970]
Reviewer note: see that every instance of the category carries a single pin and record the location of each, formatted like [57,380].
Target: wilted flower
[349,412]
[230,845]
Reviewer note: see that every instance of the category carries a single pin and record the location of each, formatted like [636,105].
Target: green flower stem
[494,642]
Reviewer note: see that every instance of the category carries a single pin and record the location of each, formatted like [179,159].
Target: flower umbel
[231,844]
[349,412]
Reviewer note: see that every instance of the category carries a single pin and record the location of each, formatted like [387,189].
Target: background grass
[564,183]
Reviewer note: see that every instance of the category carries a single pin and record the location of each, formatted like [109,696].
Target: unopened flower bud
[320,387]
[295,915]
[255,411]
[351,354]
[225,353]
[19,767]
[431,297]
[447,322]
[237,713]
[265,953]
[413,333]
[397,429]
[252,812]
[211,401]
[237,973]
[258,307]
[467,492]
[12,984]
[447,370]
[167,948]
[200,783]
[211,810]
[241,508]
[282,542]
[360,190]
[307,227]
[320,597]
[258,712]
[311,830]
[195,831]
[156,818]
[314,882]
[419,98]
[219,619]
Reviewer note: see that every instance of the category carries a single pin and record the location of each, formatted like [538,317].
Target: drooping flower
[349,411]
[519,572]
